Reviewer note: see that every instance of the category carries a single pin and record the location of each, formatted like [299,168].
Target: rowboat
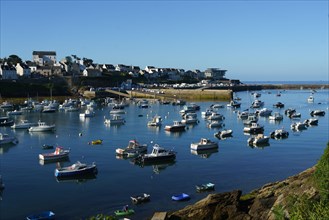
[95,142]
[140,198]
[180,197]
[124,212]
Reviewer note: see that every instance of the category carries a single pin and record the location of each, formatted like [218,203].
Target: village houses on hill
[45,64]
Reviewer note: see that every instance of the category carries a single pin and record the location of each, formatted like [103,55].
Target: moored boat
[25,124]
[133,147]
[260,139]
[204,144]
[114,120]
[223,134]
[298,126]
[205,187]
[6,139]
[311,121]
[180,197]
[254,128]
[96,142]
[158,154]
[279,134]
[124,212]
[42,126]
[317,113]
[177,126]
[75,170]
[156,121]
[58,154]
[137,199]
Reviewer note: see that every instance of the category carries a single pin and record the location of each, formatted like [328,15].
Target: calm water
[31,186]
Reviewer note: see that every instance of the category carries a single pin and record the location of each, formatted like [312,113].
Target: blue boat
[76,170]
[42,216]
[180,197]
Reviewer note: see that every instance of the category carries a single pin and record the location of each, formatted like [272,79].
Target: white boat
[223,134]
[190,118]
[260,139]
[49,109]
[115,119]
[204,144]
[42,126]
[215,124]
[254,128]
[297,126]
[156,121]
[215,116]
[311,121]
[6,139]
[257,104]
[133,147]
[279,134]
[206,113]
[71,108]
[177,126]
[88,113]
[244,114]
[276,116]
[6,105]
[58,154]
[234,104]
[251,119]
[15,112]
[310,99]
[317,113]
[264,112]
[25,124]
[158,154]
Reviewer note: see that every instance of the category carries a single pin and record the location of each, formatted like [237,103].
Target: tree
[87,62]
[14,59]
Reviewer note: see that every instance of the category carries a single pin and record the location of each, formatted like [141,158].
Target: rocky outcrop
[259,204]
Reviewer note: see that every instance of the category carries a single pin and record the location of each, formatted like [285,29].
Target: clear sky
[253,40]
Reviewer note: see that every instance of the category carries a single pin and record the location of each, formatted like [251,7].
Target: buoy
[80,134]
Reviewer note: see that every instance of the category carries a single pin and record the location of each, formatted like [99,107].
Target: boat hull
[76,173]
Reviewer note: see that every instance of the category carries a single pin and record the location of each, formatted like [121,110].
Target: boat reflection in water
[58,164]
[78,179]
[204,153]
[157,166]
[259,146]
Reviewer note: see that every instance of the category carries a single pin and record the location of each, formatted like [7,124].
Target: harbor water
[31,187]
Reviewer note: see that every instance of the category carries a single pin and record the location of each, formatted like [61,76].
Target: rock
[259,204]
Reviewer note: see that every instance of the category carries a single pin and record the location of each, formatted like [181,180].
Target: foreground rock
[259,204]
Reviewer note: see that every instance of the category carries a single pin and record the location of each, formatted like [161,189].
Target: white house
[23,70]
[44,57]
[91,72]
[8,71]
[215,73]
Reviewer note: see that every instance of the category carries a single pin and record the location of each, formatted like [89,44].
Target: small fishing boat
[204,144]
[156,121]
[42,216]
[215,116]
[311,121]
[114,120]
[140,198]
[6,139]
[223,134]
[15,112]
[180,197]
[58,154]
[25,124]
[317,113]
[276,117]
[96,142]
[310,99]
[205,187]
[75,170]
[260,139]
[177,126]
[278,105]
[215,124]
[279,134]
[134,147]
[298,126]
[190,118]
[158,154]
[234,104]
[254,128]
[257,103]
[264,112]
[42,126]
[4,123]
[87,114]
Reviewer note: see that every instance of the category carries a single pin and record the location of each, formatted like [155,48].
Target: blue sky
[253,40]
